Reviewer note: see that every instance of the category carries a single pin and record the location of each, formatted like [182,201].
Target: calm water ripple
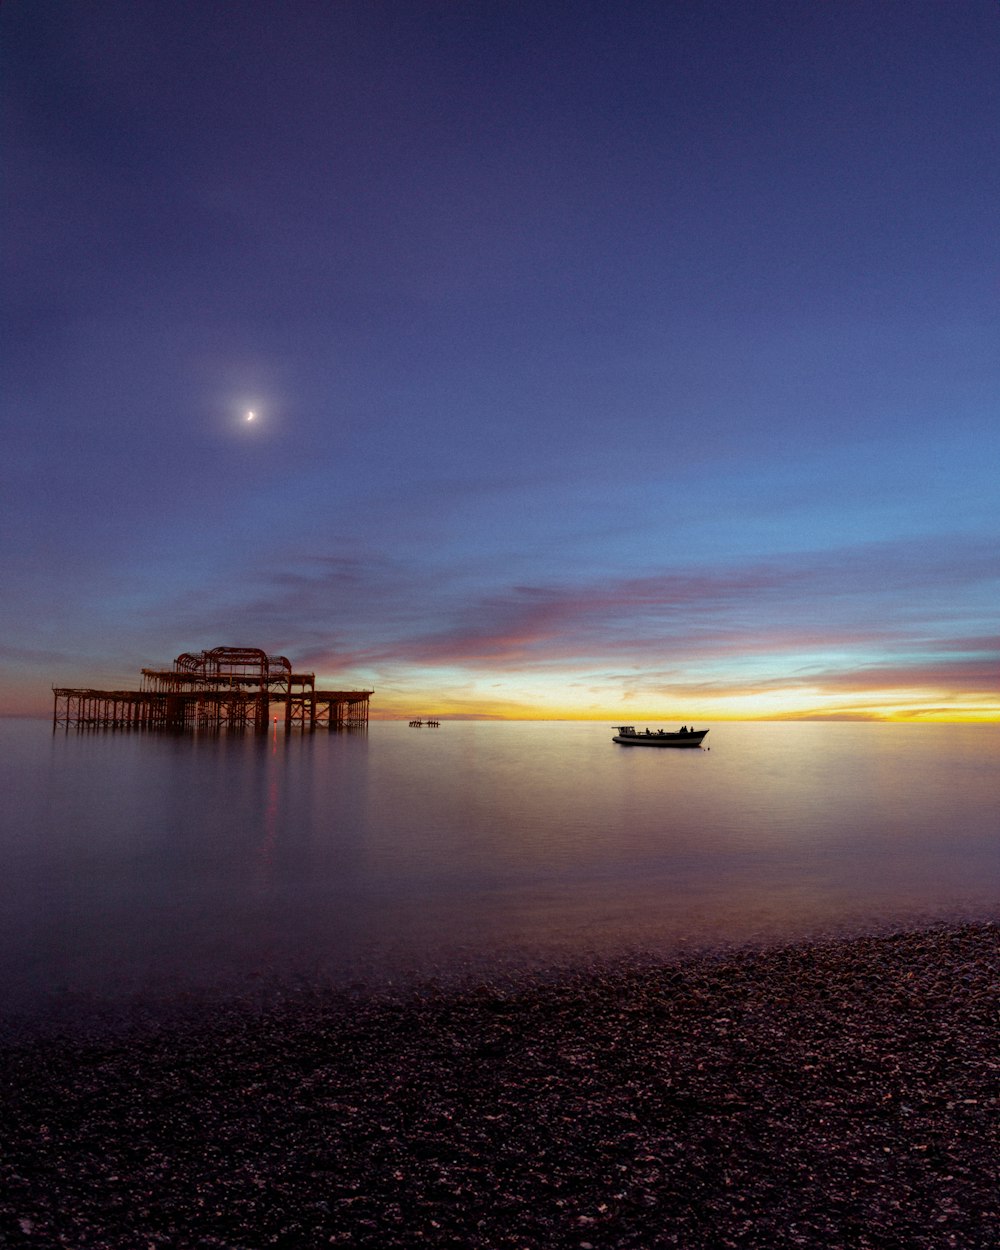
[138,864]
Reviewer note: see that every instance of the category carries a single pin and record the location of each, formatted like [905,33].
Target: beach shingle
[830,1094]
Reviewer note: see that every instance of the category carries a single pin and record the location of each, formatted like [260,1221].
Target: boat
[629,736]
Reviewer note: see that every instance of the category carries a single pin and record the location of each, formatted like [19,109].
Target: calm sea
[135,864]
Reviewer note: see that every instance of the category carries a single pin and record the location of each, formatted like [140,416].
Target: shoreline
[835,1092]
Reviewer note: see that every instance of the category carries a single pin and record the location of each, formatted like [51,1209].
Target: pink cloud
[349,611]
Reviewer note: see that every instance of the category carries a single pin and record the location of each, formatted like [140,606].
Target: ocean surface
[139,867]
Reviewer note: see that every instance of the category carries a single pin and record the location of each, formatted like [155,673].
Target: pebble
[835,1093]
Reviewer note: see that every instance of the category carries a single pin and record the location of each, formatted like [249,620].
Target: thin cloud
[841,621]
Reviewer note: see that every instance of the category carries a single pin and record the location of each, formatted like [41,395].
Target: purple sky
[633,359]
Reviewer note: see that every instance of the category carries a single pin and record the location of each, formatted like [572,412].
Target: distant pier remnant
[225,688]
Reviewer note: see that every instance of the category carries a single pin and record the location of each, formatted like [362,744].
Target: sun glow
[446,695]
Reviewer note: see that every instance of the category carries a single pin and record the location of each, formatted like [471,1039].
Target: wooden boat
[629,736]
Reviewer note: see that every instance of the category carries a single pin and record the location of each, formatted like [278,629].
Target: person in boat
[684,729]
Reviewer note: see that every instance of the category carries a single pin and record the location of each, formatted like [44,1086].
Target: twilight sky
[607,359]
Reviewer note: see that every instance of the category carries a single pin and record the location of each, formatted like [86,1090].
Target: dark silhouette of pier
[225,688]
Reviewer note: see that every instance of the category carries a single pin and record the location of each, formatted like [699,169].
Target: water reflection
[136,860]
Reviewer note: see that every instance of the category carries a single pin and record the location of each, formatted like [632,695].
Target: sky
[613,361]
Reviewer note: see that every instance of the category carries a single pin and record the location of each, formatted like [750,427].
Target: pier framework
[225,688]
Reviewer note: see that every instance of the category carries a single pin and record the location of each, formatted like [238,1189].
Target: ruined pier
[226,688]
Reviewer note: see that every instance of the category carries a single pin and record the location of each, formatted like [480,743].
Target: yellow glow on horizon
[898,706]
[569,697]
[567,693]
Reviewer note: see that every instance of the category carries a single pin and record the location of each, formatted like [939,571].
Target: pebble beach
[838,1093]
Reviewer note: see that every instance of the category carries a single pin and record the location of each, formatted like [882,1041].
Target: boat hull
[661,740]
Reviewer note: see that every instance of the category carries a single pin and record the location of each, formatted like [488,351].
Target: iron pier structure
[225,688]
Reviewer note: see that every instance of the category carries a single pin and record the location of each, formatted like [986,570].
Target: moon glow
[250,416]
